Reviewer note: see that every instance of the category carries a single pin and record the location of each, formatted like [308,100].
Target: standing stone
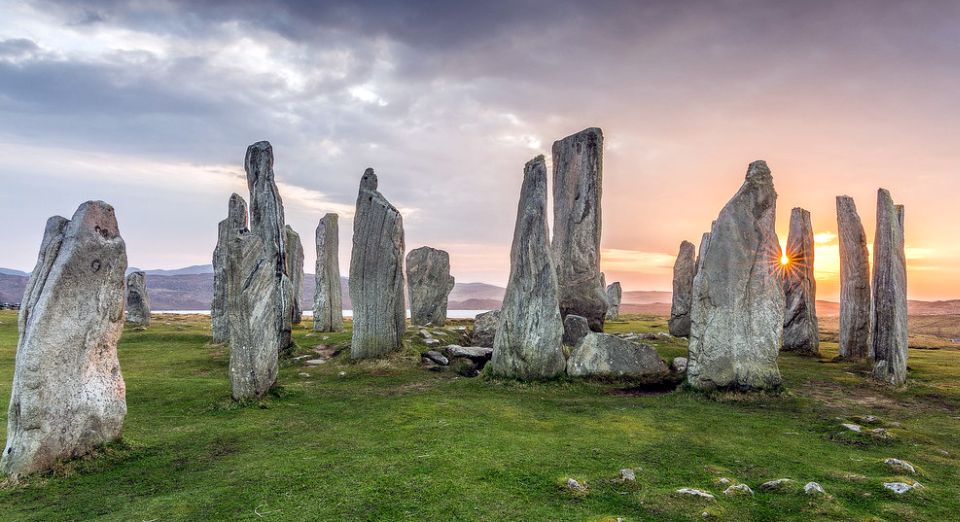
[294,269]
[528,341]
[138,305]
[485,327]
[684,269]
[801,332]
[376,274]
[704,245]
[328,300]
[234,226]
[889,293]
[430,283]
[68,395]
[737,313]
[614,295]
[259,291]
[577,190]
[854,282]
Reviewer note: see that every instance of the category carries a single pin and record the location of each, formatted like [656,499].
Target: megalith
[684,269]
[429,283]
[328,300]
[68,395]
[376,274]
[294,270]
[577,191]
[801,332]
[231,228]
[485,327]
[530,331]
[855,302]
[138,305]
[259,290]
[614,296]
[889,293]
[738,305]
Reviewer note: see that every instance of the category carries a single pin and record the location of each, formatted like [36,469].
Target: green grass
[387,440]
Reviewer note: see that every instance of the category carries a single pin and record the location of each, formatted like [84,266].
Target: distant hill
[12,272]
[189,270]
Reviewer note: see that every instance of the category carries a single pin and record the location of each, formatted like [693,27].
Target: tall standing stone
[328,300]
[294,270]
[430,283]
[704,245]
[376,274]
[737,313]
[855,302]
[259,291]
[889,293]
[614,296]
[138,304]
[577,191]
[530,333]
[68,395]
[684,269]
[801,332]
[231,228]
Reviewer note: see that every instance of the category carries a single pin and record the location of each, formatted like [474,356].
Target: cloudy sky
[150,106]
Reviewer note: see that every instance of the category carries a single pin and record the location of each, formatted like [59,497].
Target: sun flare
[784,260]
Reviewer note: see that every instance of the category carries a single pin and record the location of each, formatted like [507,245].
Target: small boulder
[902,487]
[485,329]
[474,353]
[436,357]
[813,488]
[900,466]
[693,492]
[679,365]
[775,485]
[627,474]
[577,486]
[852,427]
[737,490]
[575,327]
[606,355]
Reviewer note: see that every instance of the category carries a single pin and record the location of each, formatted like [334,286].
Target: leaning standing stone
[528,341]
[854,282]
[800,328]
[138,305]
[577,188]
[231,228]
[890,293]
[68,396]
[614,295]
[684,269]
[328,300]
[430,283]
[737,313]
[294,269]
[376,274]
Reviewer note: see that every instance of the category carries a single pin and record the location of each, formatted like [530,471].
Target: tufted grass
[386,440]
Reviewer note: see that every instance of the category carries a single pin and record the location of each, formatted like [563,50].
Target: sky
[150,105]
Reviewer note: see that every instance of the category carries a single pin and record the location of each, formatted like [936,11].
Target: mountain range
[191,288]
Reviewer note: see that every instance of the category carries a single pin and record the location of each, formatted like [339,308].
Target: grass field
[387,440]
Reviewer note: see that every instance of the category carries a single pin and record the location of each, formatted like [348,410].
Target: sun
[784,260]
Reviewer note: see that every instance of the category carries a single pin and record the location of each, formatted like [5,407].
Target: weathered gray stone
[604,355]
[328,299]
[737,313]
[854,282]
[259,291]
[575,327]
[577,190]
[485,328]
[138,304]
[436,357]
[684,270]
[614,296]
[294,270]
[475,353]
[679,364]
[889,349]
[801,332]
[234,226]
[529,336]
[376,274]
[68,395]
[429,282]
[704,245]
